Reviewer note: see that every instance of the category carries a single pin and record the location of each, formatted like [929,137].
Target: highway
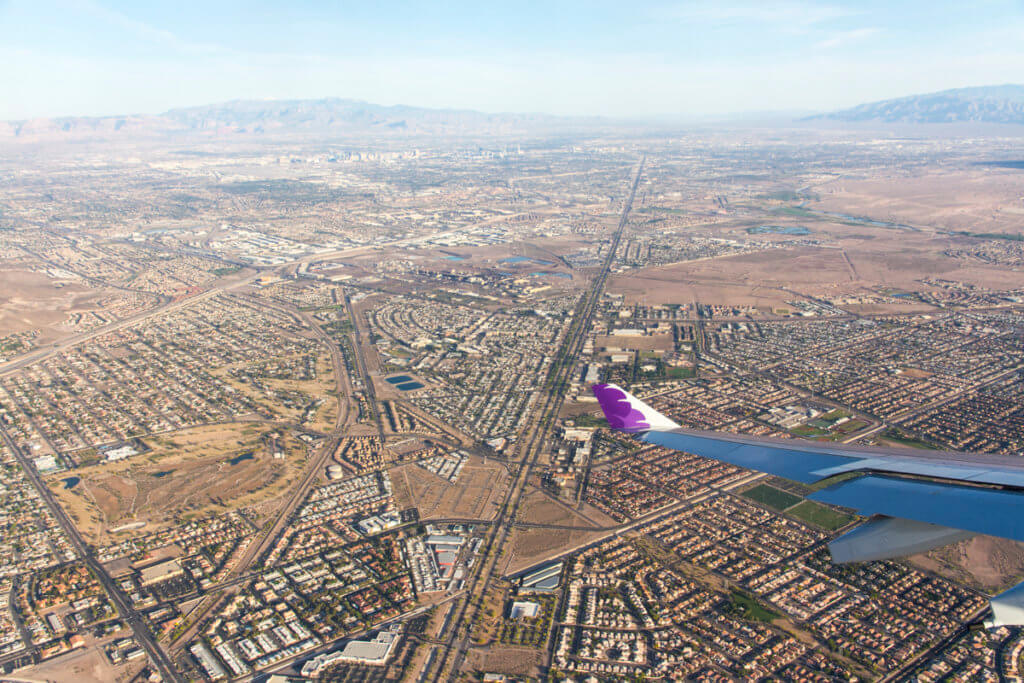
[501,528]
[639,522]
[357,349]
[270,533]
[12,366]
[228,283]
[283,517]
[128,614]
[454,651]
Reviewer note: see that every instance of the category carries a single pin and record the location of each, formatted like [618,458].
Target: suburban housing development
[317,405]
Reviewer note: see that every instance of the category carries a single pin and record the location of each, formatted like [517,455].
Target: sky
[670,59]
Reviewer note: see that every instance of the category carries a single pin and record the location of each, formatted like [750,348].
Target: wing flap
[1008,608]
[981,510]
[886,538]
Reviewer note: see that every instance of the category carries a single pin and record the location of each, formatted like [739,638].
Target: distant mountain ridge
[984,104]
[326,115]
[338,116]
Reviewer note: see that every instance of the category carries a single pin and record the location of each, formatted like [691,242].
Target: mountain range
[336,116]
[320,116]
[985,104]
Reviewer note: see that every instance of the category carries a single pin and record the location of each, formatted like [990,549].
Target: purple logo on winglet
[620,412]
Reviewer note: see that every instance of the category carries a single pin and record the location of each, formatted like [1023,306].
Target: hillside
[987,104]
[329,116]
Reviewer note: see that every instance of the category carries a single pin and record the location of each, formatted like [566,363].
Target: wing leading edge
[916,500]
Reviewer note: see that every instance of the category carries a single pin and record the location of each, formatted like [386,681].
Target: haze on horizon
[648,59]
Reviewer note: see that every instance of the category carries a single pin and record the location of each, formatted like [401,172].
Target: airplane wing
[916,500]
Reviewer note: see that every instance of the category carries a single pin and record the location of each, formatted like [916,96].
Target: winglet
[627,413]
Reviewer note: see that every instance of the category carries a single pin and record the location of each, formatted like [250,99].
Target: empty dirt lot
[475,495]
